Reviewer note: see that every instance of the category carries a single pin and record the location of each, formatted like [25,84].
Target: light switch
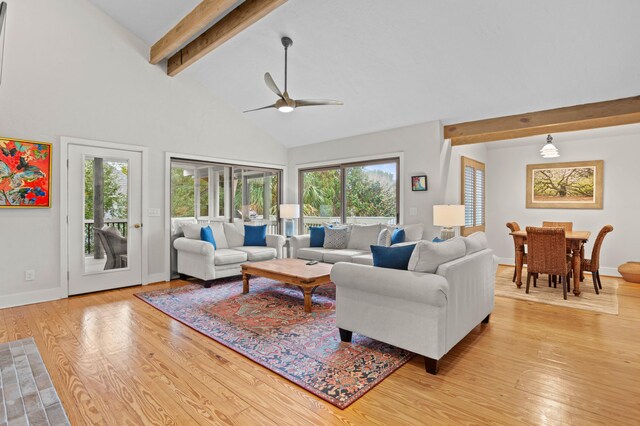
[154,212]
[413,211]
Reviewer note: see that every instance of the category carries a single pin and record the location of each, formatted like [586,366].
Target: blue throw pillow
[255,235]
[437,240]
[206,234]
[398,236]
[317,236]
[392,257]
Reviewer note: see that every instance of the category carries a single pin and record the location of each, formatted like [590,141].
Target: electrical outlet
[30,275]
[413,211]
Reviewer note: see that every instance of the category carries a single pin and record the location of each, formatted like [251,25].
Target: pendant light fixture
[549,150]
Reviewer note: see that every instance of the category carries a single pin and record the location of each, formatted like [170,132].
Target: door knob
[137,225]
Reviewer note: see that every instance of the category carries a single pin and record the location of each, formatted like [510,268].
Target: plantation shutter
[473,195]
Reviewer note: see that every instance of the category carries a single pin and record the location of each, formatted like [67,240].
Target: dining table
[575,243]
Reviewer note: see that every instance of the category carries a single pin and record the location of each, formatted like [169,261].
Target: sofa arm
[202,248]
[276,242]
[412,286]
[298,242]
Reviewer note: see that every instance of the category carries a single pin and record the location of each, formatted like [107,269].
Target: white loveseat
[423,312]
[358,250]
[199,259]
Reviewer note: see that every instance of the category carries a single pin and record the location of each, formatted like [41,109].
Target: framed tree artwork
[25,174]
[577,185]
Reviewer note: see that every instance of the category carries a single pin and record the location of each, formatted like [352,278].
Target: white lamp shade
[289,211]
[448,215]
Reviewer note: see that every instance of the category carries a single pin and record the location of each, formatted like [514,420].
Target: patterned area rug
[270,327]
[27,396]
[605,302]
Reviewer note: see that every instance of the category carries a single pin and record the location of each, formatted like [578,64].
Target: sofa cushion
[392,257]
[365,259]
[234,234]
[345,255]
[316,236]
[363,236]
[255,235]
[475,242]
[427,256]
[257,254]
[398,236]
[192,230]
[384,238]
[336,237]
[206,234]
[229,256]
[312,253]
[218,234]
[412,232]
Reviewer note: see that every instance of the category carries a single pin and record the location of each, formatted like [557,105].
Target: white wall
[506,176]
[69,70]
[420,144]
[477,152]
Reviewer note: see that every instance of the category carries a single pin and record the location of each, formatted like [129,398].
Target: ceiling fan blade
[317,102]
[272,85]
[258,109]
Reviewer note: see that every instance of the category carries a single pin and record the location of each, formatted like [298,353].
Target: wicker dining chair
[593,265]
[568,226]
[547,255]
[514,227]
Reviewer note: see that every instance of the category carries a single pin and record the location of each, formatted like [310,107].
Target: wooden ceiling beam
[580,117]
[191,25]
[240,18]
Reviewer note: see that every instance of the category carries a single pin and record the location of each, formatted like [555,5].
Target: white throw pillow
[192,231]
[427,256]
[384,238]
[363,236]
[476,242]
[336,237]
[235,237]
[218,234]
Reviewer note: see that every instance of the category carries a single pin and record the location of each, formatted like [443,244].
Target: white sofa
[423,312]
[358,250]
[199,259]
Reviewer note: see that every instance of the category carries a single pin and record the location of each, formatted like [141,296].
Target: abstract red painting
[25,174]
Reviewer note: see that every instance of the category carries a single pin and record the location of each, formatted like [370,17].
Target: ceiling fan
[285,103]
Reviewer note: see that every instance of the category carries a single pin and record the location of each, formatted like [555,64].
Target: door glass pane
[371,193]
[256,197]
[106,201]
[321,198]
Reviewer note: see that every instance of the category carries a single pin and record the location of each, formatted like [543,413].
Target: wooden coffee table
[289,271]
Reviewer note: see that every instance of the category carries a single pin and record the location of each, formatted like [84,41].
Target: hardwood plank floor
[116,360]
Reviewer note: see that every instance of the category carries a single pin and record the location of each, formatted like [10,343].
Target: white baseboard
[30,297]
[604,270]
[156,278]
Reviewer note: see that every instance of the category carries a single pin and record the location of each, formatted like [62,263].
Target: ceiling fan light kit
[285,104]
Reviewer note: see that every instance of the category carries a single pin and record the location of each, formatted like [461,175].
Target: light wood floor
[116,360]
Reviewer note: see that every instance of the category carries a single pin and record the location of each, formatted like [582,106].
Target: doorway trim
[167,190]
[65,141]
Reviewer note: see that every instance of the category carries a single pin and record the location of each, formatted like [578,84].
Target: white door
[105,218]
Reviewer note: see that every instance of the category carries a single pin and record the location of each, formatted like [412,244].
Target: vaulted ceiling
[396,63]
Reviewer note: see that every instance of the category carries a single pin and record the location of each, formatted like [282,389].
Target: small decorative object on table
[289,212]
[419,183]
[630,271]
[448,216]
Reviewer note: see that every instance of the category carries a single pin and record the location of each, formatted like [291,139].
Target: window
[473,195]
[363,192]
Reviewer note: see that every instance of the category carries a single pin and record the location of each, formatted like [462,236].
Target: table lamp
[448,216]
[289,212]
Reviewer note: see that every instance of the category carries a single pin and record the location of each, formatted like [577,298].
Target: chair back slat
[567,226]
[547,251]
[597,245]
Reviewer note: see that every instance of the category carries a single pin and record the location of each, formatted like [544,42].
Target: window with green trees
[364,192]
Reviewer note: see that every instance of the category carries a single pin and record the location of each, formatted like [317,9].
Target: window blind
[473,195]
